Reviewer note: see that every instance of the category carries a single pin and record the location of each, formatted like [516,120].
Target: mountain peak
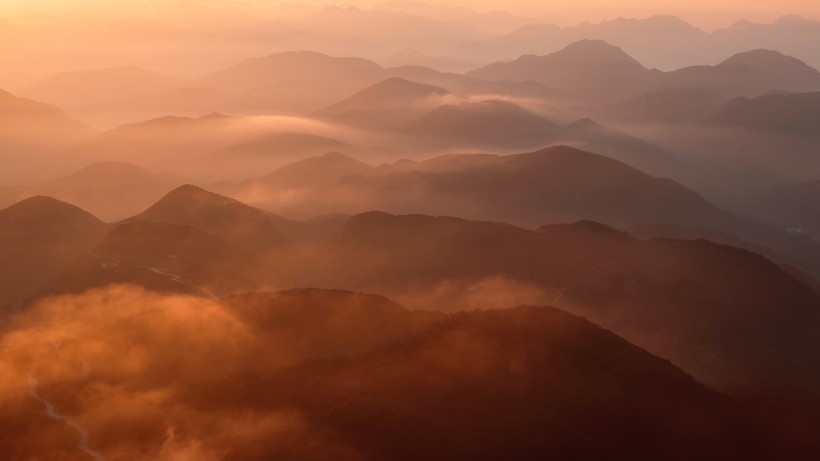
[240,224]
[324,168]
[598,50]
[762,57]
[193,194]
[43,213]
[583,124]
[793,20]
[114,168]
[403,85]
[773,62]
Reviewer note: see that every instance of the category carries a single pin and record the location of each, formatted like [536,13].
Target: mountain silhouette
[590,69]
[22,144]
[555,184]
[160,257]
[489,379]
[271,151]
[41,236]
[290,65]
[109,190]
[387,103]
[745,74]
[315,171]
[793,206]
[169,143]
[412,57]
[241,225]
[633,287]
[674,104]
[789,113]
[86,89]
[490,123]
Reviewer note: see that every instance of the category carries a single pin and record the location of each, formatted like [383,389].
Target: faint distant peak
[658,20]
[190,191]
[295,54]
[113,168]
[409,53]
[43,213]
[583,124]
[130,72]
[792,20]
[598,51]
[333,159]
[767,60]
[401,85]
[216,116]
[585,227]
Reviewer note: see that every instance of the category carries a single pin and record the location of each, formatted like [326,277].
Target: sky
[706,13]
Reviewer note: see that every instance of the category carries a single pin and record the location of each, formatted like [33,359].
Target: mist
[242,231]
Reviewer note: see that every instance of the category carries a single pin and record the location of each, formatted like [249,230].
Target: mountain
[85,89]
[788,34]
[778,112]
[270,151]
[289,187]
[110,190]
[291,66]
[666,105]
[556,184]
[160,257]
[794,206]
[466,85]
[40,237]
[314,324]
[493,21]
[485,124]
[731,318]
[591,70]
[596,72]
[649,158]
[22,124]
[745,159]
[660,41]
[375,32]
[795,73]
[330,375]
[697,93]
[283,144]
[411,57]
[314,80]
[745,74]
[524,383]
[170,143]
[315,171]
[239,224]
[385,104]
[552,185]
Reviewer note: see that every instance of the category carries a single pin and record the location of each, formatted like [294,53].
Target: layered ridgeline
[22,144]
[732,319]
[41,237]
[335,375]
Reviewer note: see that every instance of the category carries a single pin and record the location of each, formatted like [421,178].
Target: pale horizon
[702,14]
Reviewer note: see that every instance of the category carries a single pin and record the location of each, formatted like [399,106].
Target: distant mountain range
[600,72]
[661,41]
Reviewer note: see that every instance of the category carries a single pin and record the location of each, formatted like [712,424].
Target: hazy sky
[709,13]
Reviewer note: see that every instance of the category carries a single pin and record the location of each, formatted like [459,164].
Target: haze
[708,14]
[394,230]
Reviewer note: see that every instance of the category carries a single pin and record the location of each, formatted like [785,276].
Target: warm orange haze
[395,230]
